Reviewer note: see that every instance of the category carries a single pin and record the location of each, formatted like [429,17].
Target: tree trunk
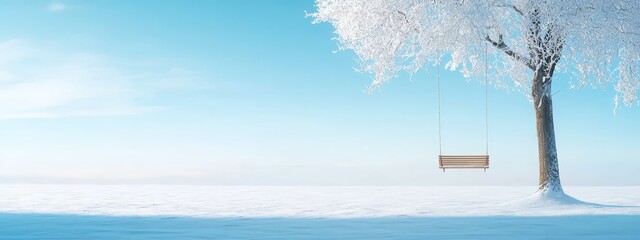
[547,155]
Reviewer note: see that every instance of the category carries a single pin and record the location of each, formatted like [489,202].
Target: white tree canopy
[596,41]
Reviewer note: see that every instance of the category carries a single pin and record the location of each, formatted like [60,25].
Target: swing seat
[464,161]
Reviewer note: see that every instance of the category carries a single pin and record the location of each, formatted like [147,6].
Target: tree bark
[549,179]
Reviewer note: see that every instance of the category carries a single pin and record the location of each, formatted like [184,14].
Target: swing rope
[439,107]
[486,102]
[486,99]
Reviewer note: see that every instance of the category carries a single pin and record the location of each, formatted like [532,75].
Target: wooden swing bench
[464,161]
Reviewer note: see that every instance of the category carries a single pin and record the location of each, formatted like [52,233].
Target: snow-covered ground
[211,212]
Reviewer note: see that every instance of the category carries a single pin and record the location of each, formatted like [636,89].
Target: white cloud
[42,82]
[57,6]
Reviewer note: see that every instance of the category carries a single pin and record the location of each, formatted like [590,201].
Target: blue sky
[252,93]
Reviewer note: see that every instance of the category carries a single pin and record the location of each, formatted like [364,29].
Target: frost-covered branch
[597,42]
[516,9]
[511,6]
[502,46]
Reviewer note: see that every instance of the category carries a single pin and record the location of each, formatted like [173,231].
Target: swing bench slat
[463,161]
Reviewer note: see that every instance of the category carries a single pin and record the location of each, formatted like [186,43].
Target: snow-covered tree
[597,42]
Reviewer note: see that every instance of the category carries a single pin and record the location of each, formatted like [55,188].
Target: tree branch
[406,19]
[516,9]
[502,46]
[513,7]
[554,43]
[534,38]
[403,15]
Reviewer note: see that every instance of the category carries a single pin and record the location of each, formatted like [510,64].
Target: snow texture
[209,212]
[328,202]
